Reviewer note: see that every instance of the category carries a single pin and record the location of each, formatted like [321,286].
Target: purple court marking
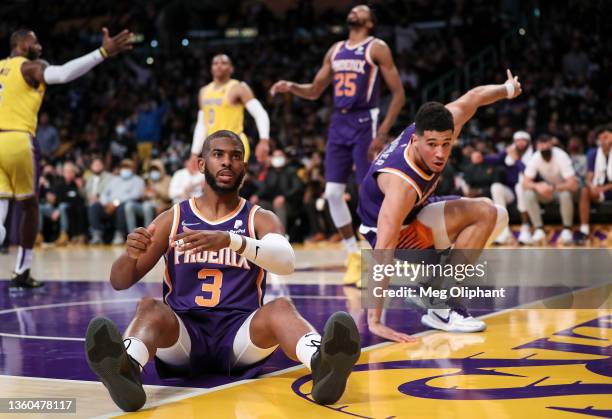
[75,303]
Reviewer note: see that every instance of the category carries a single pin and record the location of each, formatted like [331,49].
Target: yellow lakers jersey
[19,102]
[219,113]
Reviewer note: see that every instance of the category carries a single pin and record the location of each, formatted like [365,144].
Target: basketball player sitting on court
[398,211]
[217,250]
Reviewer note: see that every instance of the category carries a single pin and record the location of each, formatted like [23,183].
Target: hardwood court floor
[530,362]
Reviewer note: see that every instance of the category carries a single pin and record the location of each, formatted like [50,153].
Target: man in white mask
[122,189]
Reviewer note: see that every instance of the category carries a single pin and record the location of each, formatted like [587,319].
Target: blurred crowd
[95,134]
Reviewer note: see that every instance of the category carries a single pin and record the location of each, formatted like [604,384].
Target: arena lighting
[337,29]
[150,60]
[522,31]
[185,42]
[138,37]
[154,43]
[241,33]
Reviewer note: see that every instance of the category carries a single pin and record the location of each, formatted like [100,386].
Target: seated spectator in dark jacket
[479,176]
[65,204]
[280,189]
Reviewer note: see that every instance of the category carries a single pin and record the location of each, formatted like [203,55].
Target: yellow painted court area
[539,388]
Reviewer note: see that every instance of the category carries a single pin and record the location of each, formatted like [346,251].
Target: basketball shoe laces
[142,369]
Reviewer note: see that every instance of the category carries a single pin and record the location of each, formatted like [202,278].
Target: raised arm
[400,198]
[262,120]
[199,133]
[311,91]
[381,54]
[144,247]
[466,106]
[39,71]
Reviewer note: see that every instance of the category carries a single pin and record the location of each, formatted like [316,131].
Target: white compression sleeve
[199,135]
[260,116]
[273,252]
[58,74]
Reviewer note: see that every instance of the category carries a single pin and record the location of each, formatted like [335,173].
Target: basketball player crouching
[217,250]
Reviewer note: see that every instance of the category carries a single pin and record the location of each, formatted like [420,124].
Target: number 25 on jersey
[344,84]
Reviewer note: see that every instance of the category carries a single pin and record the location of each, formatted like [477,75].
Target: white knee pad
[244,351]
[338,208]
[4,205]
[501,222]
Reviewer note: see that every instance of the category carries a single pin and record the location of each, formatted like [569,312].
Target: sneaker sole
[340,350]
[106,356]
[437,324]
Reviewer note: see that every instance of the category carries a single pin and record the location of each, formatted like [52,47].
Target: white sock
[584,229]
[4,204]
[137,350]
[24,260]
[2,234]
[351,245]
[306,348]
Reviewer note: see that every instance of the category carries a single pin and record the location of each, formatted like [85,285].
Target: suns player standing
[23,80]
[354,135]
[222,103]
[217,250]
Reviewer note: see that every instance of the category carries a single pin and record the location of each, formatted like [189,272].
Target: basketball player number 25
[213,288]
[344,84]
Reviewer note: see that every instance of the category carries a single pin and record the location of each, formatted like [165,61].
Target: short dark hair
[433,116]
[603,128]
[17,36]
[544,138]
[224,133]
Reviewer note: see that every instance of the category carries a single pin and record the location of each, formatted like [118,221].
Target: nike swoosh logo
[445,320]
[189,224]
[256,250]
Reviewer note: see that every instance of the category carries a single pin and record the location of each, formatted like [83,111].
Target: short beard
[32,55]
[212,182]
[354,23]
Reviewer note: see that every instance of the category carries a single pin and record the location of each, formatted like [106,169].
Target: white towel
[602,167]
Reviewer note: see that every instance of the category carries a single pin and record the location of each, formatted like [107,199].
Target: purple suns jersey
[356,79]
[394,159]
[213,281]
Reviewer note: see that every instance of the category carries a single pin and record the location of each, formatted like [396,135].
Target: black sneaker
[581,239]
[108,359]
[24,280]
[333,361]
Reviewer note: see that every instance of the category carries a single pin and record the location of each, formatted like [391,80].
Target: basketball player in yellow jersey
[23,80]
[222,103]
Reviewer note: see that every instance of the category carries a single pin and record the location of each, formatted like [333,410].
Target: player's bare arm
[400,198]
[464,108]
[39,71]
[381,54]
[311,91]
[244,94]
[144,247]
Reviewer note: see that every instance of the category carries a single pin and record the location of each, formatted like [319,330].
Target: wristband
[103,51]
[236,241]
[509,89]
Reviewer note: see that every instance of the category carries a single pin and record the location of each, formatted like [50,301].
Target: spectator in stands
[510,188]
[148,127]
[280,189]
[549,176]
[598,184]
[187,182]
[127,187]
[47,136]
[96,181]
[319,220]
[156,199]
[479,175]
[575,150]
[121,147]
[71,206]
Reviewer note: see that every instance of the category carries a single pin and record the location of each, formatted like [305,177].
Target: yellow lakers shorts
[17,165]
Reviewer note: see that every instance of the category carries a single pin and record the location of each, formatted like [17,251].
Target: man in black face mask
[550,176]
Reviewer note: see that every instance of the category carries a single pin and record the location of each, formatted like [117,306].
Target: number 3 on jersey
[344,84]
[213,288]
